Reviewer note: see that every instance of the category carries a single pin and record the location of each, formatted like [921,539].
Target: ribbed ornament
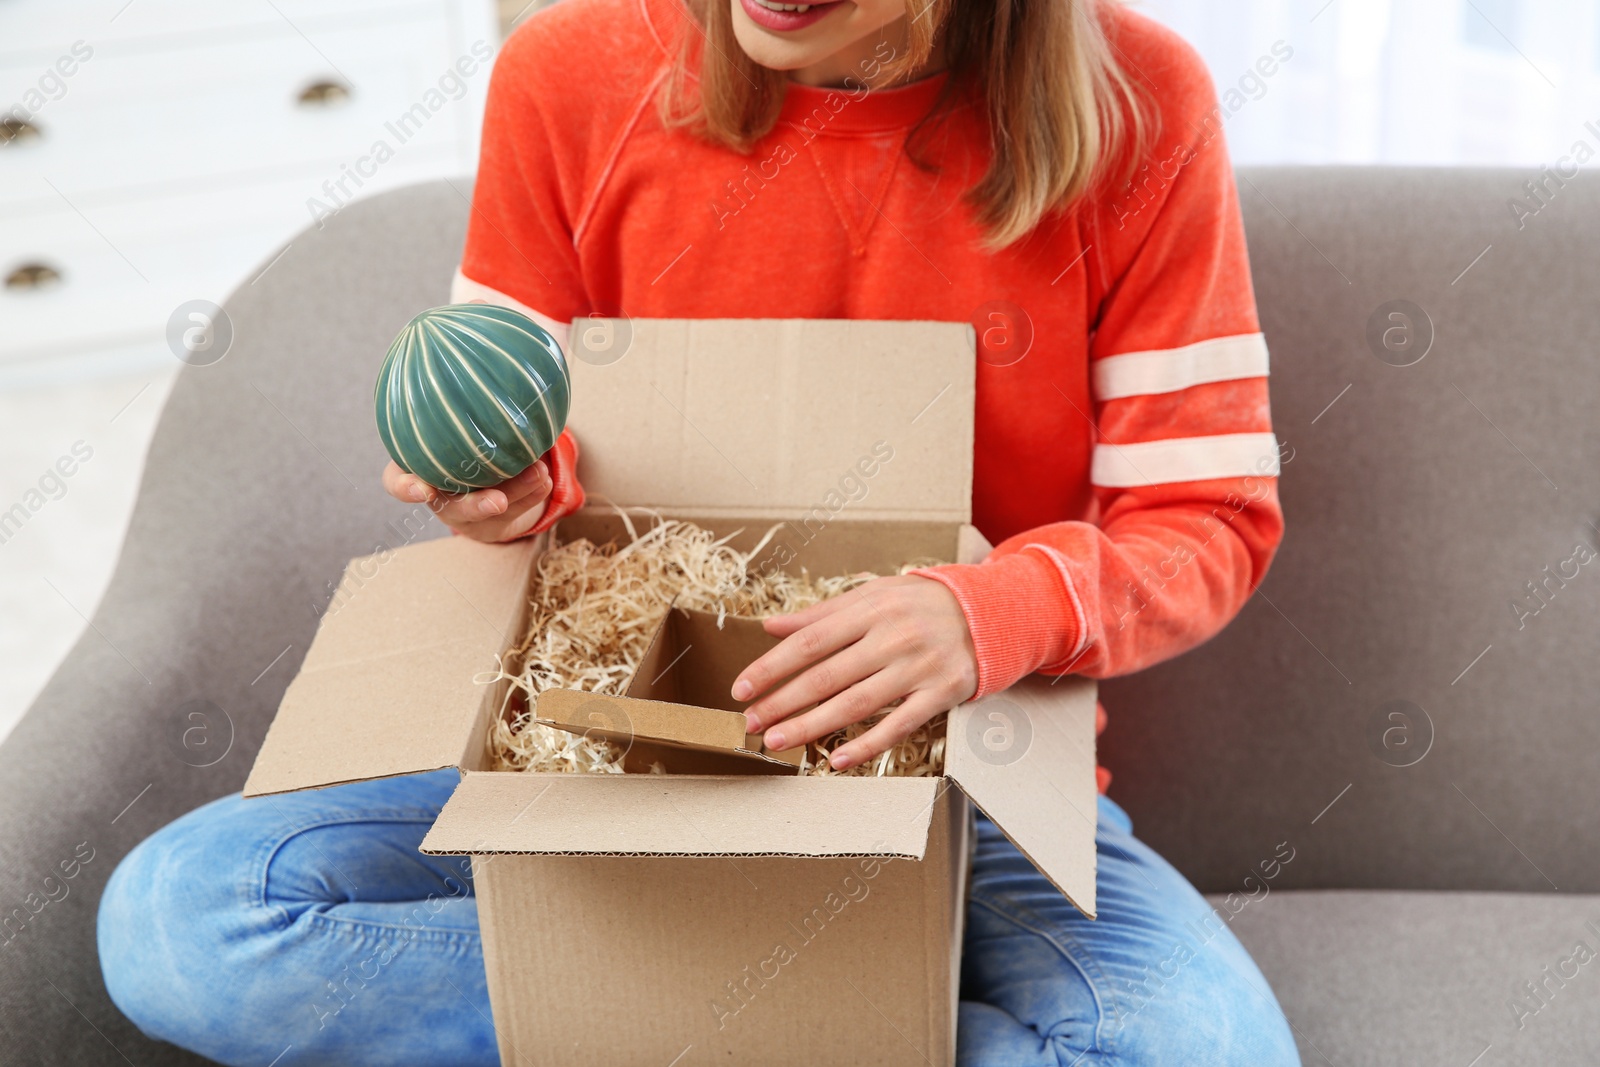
[470,395]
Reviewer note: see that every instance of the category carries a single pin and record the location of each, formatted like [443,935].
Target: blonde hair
[1060,107]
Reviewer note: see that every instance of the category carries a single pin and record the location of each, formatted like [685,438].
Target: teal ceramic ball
[471,394]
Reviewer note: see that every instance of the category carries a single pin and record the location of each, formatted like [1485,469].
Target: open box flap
[733,417]
[684,815]
[387,687]
[1026,757]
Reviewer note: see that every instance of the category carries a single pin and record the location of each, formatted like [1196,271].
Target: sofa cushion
[1422,502]
[1399,979]
[262,481]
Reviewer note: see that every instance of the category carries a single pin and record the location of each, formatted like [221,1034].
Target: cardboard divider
[701,659]
[684,815]
[659,737]
[625,718]
[678,715]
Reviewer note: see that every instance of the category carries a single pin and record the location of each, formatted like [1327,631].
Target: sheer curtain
[1511,82]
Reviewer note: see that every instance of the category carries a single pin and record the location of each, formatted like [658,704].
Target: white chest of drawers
[159,151]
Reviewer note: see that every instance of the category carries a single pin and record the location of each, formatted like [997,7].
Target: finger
[797,651]
[460,509]
[819,682]
[515,521]
[896,726]
[494,531]
[861,701]
[535,482]
[403,486]
[532,486]
[784,625]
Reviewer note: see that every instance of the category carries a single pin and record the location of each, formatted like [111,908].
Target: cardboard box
[749,915]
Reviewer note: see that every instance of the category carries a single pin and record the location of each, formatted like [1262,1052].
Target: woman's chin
[793,40]
[773,52]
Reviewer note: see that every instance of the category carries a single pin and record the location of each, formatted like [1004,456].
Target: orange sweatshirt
[1124,467]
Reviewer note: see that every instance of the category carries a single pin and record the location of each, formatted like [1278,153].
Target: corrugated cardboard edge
[958,858]
[684,815]
[1025,757]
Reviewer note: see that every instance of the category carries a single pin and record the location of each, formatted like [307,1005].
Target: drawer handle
[33,276]
[18,131]
[324,94]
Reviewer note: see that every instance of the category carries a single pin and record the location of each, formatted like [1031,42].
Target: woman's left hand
[854,655]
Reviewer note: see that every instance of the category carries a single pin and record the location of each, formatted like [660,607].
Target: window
[1490,24]
[1423,82]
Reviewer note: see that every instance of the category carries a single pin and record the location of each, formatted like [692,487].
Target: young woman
[1050,170]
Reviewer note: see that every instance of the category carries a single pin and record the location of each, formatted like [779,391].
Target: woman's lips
[786,21]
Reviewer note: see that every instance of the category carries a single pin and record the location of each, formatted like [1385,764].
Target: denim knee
[1200,1004]
[162,924]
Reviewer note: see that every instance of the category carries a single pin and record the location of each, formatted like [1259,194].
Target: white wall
[174,155]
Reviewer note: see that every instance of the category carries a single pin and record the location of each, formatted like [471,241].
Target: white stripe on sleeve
[464,290]
[1185,459]
[1168,370]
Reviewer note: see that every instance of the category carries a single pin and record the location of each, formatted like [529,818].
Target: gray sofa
[1422,893]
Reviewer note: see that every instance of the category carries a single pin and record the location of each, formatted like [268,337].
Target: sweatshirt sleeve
[519,249]
[1185,463]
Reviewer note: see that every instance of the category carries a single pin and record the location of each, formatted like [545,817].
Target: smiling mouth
[781,18]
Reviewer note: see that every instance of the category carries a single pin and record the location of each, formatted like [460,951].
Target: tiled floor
[54,568]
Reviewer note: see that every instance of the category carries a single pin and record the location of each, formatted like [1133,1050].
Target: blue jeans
[308,929]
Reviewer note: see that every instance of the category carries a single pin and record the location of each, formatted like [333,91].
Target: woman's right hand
[503,512]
